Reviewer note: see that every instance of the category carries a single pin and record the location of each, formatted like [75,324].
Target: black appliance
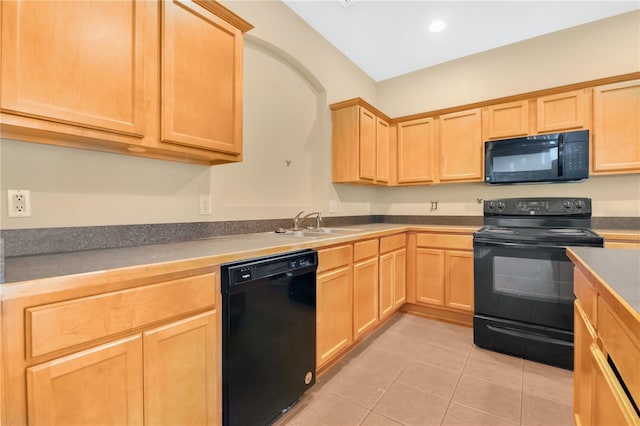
[523,279]
[268,335]
[554,157]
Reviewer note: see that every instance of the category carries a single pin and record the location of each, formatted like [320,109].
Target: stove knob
[491,205]
[500,205]
[579,204]
[567,204]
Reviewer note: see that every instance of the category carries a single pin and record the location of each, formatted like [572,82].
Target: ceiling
[390,38]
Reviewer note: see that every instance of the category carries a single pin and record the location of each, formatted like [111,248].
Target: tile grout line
[456,387]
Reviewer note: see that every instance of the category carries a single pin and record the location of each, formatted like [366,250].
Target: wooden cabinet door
[616,128]
[430,276]
[609,402]
[334,308]
[507,120]
[383,151]
[101,385]
[584,336]
[416,151]
[77,63]
[458,282]
[400,277]
[182,381]
[201,79]
[562,111]
[461,146]
[367,147]
[386,285]
[365,296]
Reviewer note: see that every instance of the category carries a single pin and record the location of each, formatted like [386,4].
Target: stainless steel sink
[317,233]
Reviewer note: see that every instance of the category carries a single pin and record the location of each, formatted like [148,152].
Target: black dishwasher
[268,335]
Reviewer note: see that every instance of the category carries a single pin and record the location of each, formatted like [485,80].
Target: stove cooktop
[538,234]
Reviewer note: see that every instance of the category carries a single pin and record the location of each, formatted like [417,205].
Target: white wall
[292,74]
[597,50]
[287,89]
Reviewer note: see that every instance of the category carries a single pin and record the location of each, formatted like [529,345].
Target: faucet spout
[318,216]
[296,220]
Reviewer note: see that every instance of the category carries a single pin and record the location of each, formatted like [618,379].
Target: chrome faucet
[318,216]
[296,220]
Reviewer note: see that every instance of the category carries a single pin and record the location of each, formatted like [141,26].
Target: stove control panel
[551,206]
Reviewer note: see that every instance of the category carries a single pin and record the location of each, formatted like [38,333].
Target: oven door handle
[528,335]
[517,245]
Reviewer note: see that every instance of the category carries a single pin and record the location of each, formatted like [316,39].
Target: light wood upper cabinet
[201,79]
[616,128]
[160,79]
[77,63]
[383,151]
[360,144]
[367,149]
[563,111]
[416,140]
[506,120]
[102,385]
[461,147]
[182,372]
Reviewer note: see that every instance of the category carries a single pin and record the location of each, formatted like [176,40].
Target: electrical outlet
[19,203]
[205,204]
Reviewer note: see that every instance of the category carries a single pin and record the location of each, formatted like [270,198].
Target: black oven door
[529,283]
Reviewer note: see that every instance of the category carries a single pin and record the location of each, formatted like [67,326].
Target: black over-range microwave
[554,157]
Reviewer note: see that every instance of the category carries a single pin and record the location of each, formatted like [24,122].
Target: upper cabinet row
[371,148]
[161,79]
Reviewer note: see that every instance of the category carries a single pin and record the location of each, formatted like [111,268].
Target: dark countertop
[216,250]
[618,268]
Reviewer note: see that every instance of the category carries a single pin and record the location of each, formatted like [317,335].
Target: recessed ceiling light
[437,26]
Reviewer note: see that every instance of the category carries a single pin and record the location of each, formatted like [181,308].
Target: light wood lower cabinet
[393,274]
[102,385]
[121,348]
[365,287]
[334,302]
[444,271]
[182,372]
[606,355]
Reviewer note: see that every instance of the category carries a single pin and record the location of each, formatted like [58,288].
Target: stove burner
[568,231]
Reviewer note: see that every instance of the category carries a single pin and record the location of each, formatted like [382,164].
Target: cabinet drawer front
[392,242]
[334,257]
[65,324]
[586,294]
[450,241]
[365,249]
[622,347]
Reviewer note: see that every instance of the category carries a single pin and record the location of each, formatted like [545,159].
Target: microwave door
[519,161]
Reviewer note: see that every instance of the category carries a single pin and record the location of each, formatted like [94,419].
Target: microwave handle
[561,154]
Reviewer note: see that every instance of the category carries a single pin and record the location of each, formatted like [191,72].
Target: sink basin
[316,233]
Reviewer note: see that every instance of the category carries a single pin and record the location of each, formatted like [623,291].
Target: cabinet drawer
[392,242]
[586,294]
[334,257]
[621,345]
[65,324]
[365,249]
[447,241]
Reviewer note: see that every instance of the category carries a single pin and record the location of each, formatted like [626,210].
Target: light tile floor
[417,371]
